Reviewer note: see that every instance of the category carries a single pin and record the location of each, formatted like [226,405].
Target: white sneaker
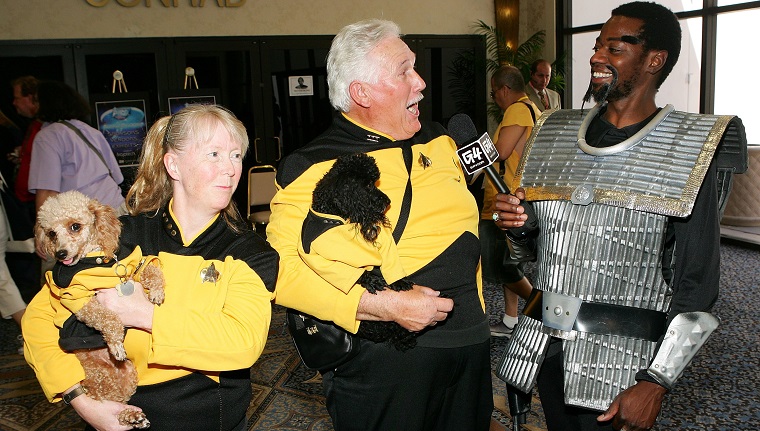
[501,330]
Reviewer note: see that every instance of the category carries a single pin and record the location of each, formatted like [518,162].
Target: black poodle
[348,190]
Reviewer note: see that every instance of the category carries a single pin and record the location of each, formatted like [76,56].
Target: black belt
[608,319]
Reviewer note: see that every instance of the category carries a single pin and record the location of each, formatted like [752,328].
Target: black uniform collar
[172,230]
[601,133]
[360,132]
[345,137]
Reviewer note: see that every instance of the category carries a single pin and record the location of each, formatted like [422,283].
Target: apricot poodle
[70,226]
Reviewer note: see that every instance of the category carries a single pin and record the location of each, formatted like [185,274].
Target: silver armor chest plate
[603,220]
[601,253]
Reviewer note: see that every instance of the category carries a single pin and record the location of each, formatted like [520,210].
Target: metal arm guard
[686,334]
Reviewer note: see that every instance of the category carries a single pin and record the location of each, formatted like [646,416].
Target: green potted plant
[462,70]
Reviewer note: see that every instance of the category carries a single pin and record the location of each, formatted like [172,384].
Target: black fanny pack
[321,345]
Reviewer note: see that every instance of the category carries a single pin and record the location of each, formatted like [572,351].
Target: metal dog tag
[126,288]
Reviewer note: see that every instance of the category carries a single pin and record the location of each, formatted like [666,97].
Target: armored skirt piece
[604,281]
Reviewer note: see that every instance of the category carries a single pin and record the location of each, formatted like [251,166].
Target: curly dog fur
[69,226]
[349,190]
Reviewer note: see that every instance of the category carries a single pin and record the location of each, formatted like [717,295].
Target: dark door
[43,60]
[228,69]
[142,63]
[453,68]
[124,70]
[455,83]
[224,69]
[299,110]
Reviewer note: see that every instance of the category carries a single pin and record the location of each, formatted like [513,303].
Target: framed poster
[122,119]
[301,85]
[192,97]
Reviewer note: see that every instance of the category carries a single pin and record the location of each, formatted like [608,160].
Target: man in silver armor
[627,197]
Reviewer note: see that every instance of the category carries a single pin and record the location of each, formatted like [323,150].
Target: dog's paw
[135,418]
[374,289]
[118,351]
[156,296]
[153,280]
[372,281]
[401,285]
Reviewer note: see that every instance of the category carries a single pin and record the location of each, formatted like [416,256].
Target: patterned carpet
[718,393]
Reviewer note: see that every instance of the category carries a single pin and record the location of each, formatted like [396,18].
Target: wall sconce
[507,20]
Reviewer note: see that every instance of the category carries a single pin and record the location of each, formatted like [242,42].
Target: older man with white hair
[444,382]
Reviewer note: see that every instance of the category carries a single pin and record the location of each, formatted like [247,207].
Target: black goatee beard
[602,93]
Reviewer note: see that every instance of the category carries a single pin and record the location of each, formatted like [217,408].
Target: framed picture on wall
[122,119]
[301,85]
[183,98]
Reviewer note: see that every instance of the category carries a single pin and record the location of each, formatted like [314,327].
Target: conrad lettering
[165,3]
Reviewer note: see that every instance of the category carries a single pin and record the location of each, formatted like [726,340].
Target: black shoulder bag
[323,345]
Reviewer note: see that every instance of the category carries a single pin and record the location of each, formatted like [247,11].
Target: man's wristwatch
[67,398]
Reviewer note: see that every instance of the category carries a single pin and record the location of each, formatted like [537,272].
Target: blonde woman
[193,352]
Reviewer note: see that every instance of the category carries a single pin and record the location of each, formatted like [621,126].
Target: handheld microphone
[476,153]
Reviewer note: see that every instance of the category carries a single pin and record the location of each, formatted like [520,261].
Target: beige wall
[66,19]
[535,16]
[72,19]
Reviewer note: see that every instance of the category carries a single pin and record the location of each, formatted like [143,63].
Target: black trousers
[242,426]
[421,389]
[560,417]
[196,402]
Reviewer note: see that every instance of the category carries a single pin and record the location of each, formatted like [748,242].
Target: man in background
[26,104]
[520,115]
[25,267]
[540,75]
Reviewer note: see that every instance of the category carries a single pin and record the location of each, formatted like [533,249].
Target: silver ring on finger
[495,216]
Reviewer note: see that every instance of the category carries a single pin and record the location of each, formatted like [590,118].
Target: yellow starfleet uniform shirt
[203,326]
[341,255]
[439,247]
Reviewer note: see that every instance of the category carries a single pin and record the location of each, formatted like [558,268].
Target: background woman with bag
[63,160]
